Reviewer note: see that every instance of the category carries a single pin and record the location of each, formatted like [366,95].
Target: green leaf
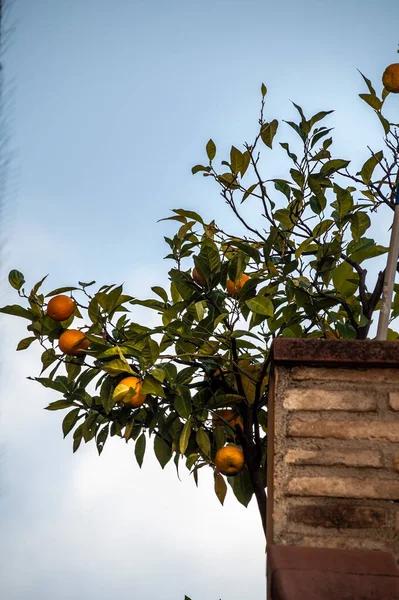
[228,180]
[342,278]
[360,222]
[220,487]
[236,159]
[368,83]
[190,214]
[369,166]
[152,386]
[236,266]
[322,227]
[347,332]
[25,343]
[298,177]
[73,369]
[60,383]
[77,437]
[163,450]
[139,449]
[319,135]
[58,405]
[159,374]
[211,150]
[298,129]
[261,305]
[385,123]
[117,367]
[160,292]
[208,261]
[47,358]
[282,186]
[18,311]
[70,421]
[263,90]
[286,147]
[16,279]
[248,192]
[61,290]
[268,132]
[303,247]
[364,249]
[203,441]
[150,352]
[185,436]
[106,394]
[242,487]
[319,116]
[101,438]
[199,168]
[372,100]
[331,166]
[344,202]
[182,404]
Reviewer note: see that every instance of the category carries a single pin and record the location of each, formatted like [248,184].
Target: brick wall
[333,463]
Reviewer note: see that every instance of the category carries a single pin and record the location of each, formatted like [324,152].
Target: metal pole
[389,279]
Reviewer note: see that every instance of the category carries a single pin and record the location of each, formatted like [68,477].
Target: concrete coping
[335,353]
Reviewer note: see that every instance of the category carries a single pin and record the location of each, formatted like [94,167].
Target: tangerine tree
[195,385]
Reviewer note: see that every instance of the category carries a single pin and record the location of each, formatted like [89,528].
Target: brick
[345,430]
[348,458]
[372,376]
[395,461]
[394,400]
[350,543]
[319,399]
[344,487]
[291,584]
[338,516]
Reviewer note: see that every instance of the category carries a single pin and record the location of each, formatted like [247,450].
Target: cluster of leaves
[211,349]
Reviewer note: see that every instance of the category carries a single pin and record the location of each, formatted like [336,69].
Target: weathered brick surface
[338,516]
[345,430]
[394,400]
[348,458]
[344,487]
[348,375]
[320,399]
[339,541]
[333,453]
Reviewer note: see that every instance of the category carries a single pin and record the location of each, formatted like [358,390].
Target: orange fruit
[235,287]
[229,460]
[333,335]
[73,342]
[198,278]
[220,417]
[124,389]
[60,308]
[390,78]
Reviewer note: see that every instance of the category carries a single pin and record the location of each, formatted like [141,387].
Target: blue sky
[112,104]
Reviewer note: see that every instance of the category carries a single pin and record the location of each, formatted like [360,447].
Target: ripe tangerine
[390,78]
[235,287]
[123,390]
[60,308]
[73,342]
[229,460]
[200,279]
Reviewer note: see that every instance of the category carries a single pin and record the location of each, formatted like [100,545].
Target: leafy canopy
[306,258]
